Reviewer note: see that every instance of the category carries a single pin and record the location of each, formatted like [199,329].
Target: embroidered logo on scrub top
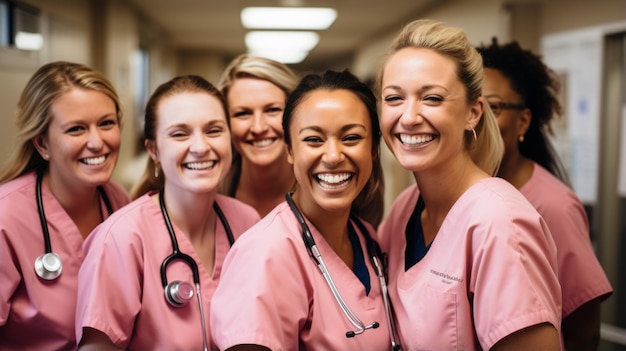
[446,278]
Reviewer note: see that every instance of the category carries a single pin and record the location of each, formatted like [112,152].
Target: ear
[41,145]
[289,151]
[152,150]
[475,113]
[525,117]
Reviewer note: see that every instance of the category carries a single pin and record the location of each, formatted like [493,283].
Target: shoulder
[24,184]
[136,217]
[239,215]
[117,194]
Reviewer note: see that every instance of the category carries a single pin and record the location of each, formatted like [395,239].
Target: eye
[274,110]
[434,99]
[178,134]
[215,131]
[108,123]
[312,140]
[392,98]
[240,114]
[74,130]
[353,138]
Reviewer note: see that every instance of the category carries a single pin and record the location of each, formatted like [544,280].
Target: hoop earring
[156,170]
[521,138]
[474,133]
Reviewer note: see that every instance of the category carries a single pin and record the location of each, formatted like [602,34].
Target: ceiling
[215,25]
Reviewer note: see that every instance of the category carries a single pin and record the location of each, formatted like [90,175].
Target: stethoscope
[48,266]
[179,293]
[375,254]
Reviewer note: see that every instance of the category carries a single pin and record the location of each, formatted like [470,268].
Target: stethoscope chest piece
[178,293]
[48,266]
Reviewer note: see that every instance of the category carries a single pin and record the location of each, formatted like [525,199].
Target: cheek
[238,128]
[114,139]
[276,123]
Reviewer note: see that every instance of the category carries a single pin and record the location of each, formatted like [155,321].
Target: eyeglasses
[497,107]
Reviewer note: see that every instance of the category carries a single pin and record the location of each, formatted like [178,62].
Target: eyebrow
[422,88]
[343,129]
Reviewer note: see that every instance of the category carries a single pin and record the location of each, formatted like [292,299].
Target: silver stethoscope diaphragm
[48,266]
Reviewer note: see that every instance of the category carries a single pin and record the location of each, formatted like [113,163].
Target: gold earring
[521,138]
[156,170]
[474,132]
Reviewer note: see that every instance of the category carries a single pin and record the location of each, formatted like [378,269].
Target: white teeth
[93,161]
[415,139]
[200,165]
[262,143]
[333,181]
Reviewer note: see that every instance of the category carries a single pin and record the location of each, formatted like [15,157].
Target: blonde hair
[248,66]
[182,84]
[488,148]
[34,113]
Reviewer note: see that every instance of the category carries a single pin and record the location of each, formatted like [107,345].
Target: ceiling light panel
[281,40]
[306,18]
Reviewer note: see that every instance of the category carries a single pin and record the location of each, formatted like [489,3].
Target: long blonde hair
[488,148]
[34,113]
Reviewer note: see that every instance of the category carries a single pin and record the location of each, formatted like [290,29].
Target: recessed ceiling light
[281,40]
[312,18]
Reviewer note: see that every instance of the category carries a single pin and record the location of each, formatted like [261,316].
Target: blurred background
[139,44]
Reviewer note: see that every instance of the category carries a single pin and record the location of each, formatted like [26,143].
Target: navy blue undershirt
[416,249]
[360,268]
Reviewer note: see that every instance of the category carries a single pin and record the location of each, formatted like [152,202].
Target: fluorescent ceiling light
[281,41]
[286,57]
[28,41]
[313,18]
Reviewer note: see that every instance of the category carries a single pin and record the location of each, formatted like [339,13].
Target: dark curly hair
[538,86]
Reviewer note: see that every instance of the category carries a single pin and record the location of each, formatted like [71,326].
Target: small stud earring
[521,138]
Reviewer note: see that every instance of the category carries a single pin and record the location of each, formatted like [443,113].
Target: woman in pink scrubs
[277,292]
[521,91]
[69,121]
[472,265]
[151,269]
[256,90]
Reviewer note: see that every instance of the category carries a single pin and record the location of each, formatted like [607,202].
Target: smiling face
[256,108]
[83,139]
[192,142]
[331,150]
[424,112]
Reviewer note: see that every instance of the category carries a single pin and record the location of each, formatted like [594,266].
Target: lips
[416,140]
[262,142]
[93,161]
[333,180]
[200,165]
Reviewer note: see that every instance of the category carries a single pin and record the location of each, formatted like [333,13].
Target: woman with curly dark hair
[522,92]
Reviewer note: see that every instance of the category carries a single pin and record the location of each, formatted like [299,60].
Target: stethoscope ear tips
[178,293]
[48,266]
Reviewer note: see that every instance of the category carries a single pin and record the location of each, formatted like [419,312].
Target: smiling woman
[69,137]
[178,226]
[332,136]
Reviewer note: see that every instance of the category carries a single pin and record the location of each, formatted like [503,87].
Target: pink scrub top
[580,274]
[273,294]
[489,272]
[120,291]
[37,314]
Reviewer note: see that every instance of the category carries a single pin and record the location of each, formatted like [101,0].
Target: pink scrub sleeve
[37,314]
[120,289]
[580,273]
[490,271]
[272,294]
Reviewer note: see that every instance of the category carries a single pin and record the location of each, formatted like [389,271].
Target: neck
[192,213]
[265,187]
[441,189]
[516,169]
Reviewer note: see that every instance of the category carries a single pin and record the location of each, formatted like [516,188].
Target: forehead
[419,63]
[79,103]
[336,107]
[187,106]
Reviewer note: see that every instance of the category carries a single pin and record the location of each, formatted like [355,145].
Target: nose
[95,141]
[412,114]
[258,124]
[333,153]
[199,143]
